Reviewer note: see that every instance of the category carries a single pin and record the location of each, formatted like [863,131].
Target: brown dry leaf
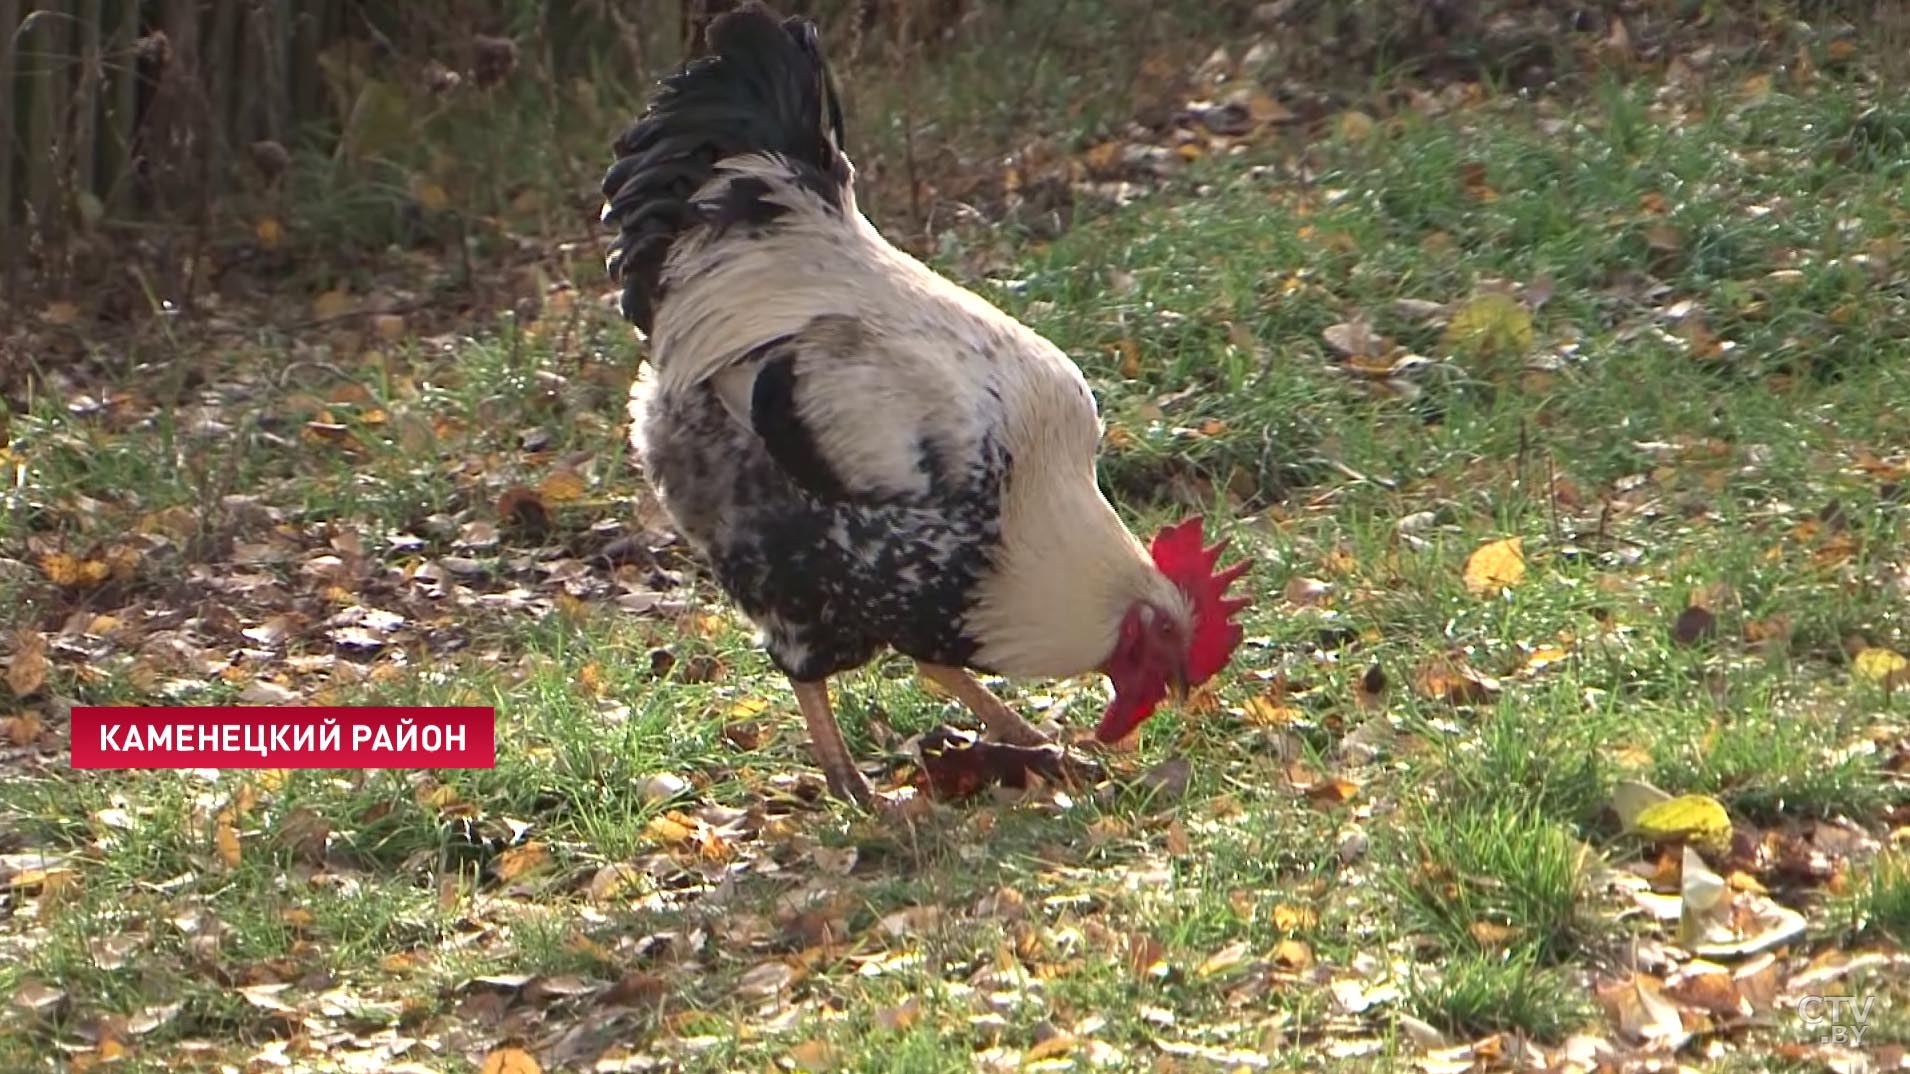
[519,860]
[1693,625]
[432,197]
[815,1056]
[1267,711]
[1355,339]
[1491,933]
[509,1060]
[1332,791]
[331,304]
[1448,679]
[1639,1008]
[1495,565]
[1664,239]
[1176,839]
[1130,358]
[901,1016]
[1709,987]
[1145,956]
[765,980]
[1353,125]
[60,314]
[22,730]
[1225,959]
[26,670]
[1305,592]
[1370,692]
[269,232]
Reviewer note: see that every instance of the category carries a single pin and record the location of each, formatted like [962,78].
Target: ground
[1566,435]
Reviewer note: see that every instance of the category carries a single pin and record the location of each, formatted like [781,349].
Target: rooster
[868,455]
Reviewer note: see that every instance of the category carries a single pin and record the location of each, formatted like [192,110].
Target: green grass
[1463,877]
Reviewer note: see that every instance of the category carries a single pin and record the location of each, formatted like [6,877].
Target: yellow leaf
[269,231]
[562,486]
[1495,565]
[1873,665]
[751,707]
[432,196]
[519,860]
[1290,918]
[333,303]
[60,313]
[1491,325]
[63,569]
[1130,358]
[510,1061]
[1690,818]
[1293,953]
[226,838]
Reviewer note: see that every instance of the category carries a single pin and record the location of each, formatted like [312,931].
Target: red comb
[1179,555]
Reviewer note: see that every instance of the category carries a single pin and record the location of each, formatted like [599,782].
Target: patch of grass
[1484,877]
[1877,904]
[1474,994]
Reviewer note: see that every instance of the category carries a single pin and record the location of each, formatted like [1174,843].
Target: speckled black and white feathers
[829,568]
[763,90]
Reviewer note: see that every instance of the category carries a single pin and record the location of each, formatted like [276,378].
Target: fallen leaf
[1490,325]
[1631,797]
[1694,624]
[1641,1011]
[509,1060]
[1872,665]
[815,1056]
[1495,565]
[1290,918]
[26,670]
[1691,818]
[518,860]
[35,996]
[1225,959]
[331,304]
[562,486]
[765,979]
[226,838]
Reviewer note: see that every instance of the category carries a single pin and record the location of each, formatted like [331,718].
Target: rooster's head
[1178,642]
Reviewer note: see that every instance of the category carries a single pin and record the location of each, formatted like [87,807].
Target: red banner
[236,736]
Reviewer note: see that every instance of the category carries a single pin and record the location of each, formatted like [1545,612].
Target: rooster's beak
[1177,682]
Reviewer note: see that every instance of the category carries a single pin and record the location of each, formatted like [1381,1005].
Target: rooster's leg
[825,738]
[1002,722]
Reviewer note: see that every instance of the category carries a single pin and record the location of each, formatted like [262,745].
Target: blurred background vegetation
[157,150]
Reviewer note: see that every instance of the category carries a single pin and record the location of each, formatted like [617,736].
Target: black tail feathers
[764,88]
